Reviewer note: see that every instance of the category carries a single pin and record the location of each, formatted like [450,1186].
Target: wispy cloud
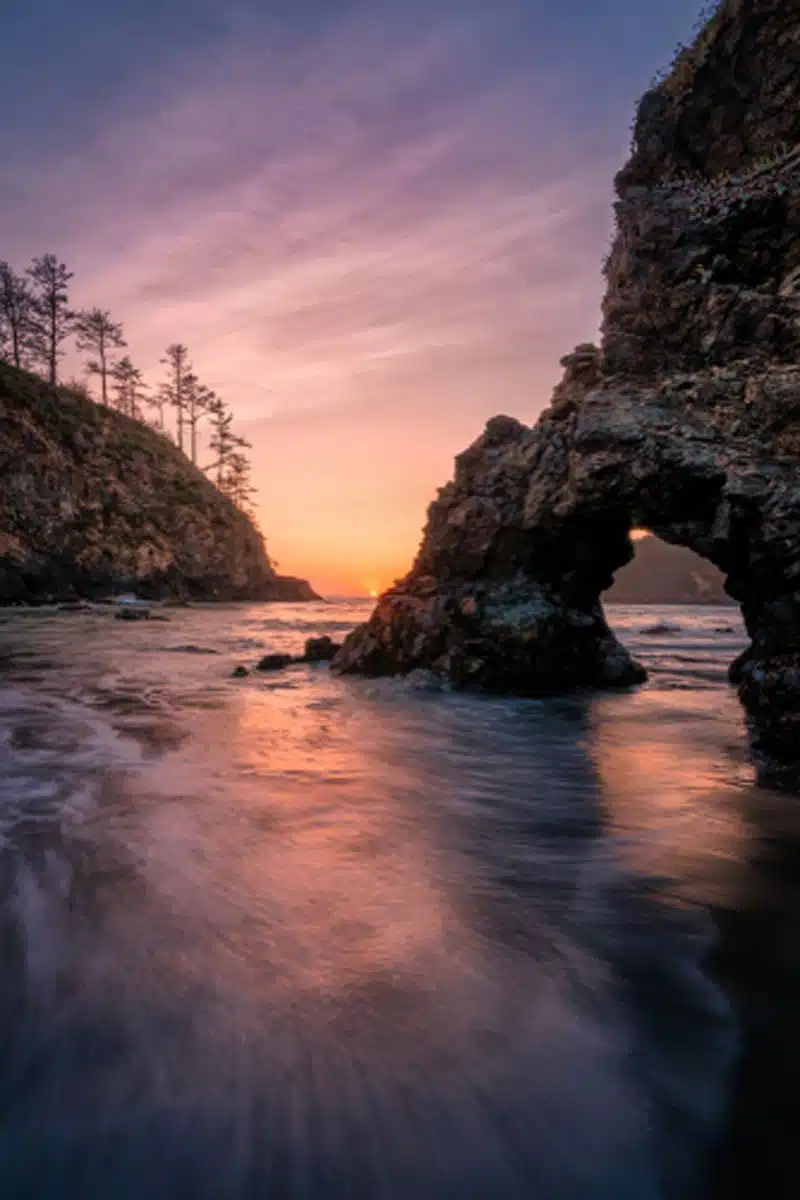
[366,229]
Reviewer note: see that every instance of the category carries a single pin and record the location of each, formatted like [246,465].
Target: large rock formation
[686,421]
[92,502]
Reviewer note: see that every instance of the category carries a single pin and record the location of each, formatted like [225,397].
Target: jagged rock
[736,669]
[290,589]
[274,662]
[320,649]
[685,421]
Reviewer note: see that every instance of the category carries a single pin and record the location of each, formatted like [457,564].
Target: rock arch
[505,592]
[685,421]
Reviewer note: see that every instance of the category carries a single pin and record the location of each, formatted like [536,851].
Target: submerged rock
[132,614]
[320,649]
[274,662]
[239,672]
[685,421]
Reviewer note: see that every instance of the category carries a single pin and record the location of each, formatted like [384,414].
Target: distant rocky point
[93,503]
[664,574]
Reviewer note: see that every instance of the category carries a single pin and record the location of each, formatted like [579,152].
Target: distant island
[664,574]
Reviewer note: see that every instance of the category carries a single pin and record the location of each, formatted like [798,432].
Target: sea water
[293,935]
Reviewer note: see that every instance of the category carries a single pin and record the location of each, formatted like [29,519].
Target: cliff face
[686,421]
[92,503]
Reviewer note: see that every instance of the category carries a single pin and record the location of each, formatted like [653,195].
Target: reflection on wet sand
[758,961]
[312,938]
[677,809]
[735,849]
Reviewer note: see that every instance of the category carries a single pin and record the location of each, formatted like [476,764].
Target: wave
[322,625]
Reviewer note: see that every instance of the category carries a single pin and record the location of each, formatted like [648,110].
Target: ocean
[298,936]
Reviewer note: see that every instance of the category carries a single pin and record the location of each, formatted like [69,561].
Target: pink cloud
[372,257]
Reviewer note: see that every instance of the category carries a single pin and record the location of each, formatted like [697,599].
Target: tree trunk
[103,373]
[53,345]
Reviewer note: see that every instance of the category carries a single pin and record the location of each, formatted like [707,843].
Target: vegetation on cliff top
[37,322]
[94,497]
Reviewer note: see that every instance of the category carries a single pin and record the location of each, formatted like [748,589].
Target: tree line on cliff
[36,325]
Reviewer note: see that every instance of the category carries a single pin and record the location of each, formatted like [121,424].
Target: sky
[375,223]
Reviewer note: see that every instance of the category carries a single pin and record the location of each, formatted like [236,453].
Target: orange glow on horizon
[364,293]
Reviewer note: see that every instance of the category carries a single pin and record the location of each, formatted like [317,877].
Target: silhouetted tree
[15,313]
[231,466]
[221,441]
[199,403]
[236,481]
[51,319]
[129,389]
[100,336]
[158,401]
[173,390]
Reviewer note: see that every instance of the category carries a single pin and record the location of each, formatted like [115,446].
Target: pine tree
[99,335]
[15,314]
[51,319]
[230,466]
[236,483]
[173,390]
[140,396]
[200,401]
[129,390]
[158,402]
[222,440]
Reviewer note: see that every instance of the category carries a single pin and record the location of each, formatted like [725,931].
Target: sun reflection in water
[667,796]
[343,894]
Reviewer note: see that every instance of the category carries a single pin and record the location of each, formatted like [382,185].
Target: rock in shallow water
[320,649]
[132,614]
[686,421]
[274,662]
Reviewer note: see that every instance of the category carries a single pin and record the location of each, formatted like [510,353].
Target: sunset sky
[375,224]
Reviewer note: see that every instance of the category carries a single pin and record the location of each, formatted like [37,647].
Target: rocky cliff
[685,421]
[92,502]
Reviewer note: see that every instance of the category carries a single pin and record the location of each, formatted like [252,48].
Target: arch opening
[728,542]
[669,608]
